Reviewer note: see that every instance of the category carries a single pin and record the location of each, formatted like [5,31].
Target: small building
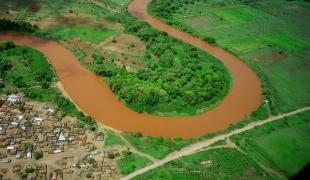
[57,151]
[10,147]
[6,160]
[29,155]
[63,136]
[38,121]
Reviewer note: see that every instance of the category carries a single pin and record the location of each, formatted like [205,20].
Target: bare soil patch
[124,43]
[35,7]
[274,56]
[125,48]
[292,70]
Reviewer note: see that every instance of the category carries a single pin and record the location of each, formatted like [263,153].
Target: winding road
[94,97]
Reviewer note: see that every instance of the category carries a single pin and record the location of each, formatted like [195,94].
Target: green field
[112,139]
[130,162]
[238,14]
[287,42]
[281,145]
[242,45]
[226,163]
[90,35]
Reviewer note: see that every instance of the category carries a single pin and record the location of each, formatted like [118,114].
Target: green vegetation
[8,25]
[216,167]
[157,147]
[38,155]
[51,8]
[288,42]
[282,145]
[88,175]
[29,170]
[26,70]
[91,161]
[242,45]
[238,14]
[27,145]
[112,139]
[130,162]
[85,34]
[271,39]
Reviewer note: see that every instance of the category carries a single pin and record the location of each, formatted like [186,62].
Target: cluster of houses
[27,130]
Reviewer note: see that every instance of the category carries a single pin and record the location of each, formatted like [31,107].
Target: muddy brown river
[95,98]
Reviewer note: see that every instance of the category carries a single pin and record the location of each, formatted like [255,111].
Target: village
[39,142]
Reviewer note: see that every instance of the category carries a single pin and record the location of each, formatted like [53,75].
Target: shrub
[28,145]
[91,161]
[29,170]
[38,155]
[210,40]
[88,175]
[111,156]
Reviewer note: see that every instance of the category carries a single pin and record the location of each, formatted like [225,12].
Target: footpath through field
[198,146]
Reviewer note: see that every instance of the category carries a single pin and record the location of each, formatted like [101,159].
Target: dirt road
[198,146]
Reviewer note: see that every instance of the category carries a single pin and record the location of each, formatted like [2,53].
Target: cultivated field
[209,164]
[281,145]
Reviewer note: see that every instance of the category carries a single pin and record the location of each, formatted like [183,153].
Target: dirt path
[196,147]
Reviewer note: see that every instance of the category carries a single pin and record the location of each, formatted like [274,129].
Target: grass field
[281,145]
[287,42]
[130,162]
[113,139]
[85,34]
[190,167]
[238,14]
[243,45]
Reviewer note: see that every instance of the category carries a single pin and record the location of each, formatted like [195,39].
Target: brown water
[95,98]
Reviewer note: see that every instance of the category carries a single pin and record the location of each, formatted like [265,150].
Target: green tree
[38,155]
